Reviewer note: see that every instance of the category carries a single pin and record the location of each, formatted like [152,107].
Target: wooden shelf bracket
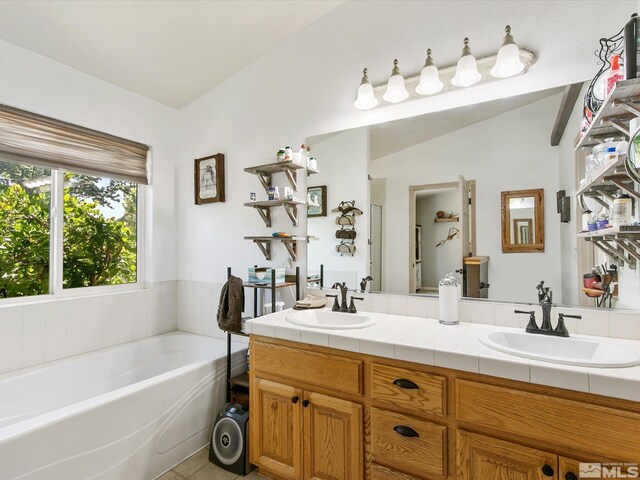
[265,214]
[292,248]
[292,211]
[265,247]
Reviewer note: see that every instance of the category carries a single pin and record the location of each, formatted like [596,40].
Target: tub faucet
[343,295]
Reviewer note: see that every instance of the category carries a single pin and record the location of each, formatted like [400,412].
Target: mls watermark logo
[608,470]
[590,470]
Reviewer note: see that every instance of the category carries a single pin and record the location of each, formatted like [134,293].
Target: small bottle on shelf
[615,74]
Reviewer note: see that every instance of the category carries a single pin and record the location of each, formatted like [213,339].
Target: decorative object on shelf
[630,61]
[209,181]
[264,275]
[317,201]
[507,62]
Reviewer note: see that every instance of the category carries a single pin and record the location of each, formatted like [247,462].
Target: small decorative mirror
[523,221]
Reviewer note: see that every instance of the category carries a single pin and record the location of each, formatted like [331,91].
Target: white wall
[342,160]
[438,261]
[51,329]
[506,152]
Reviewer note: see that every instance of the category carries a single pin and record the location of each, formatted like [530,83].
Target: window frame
[56,251]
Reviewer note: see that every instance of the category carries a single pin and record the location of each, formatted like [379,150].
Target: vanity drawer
[568,423]
[412,391]
[337,373]
[412,446]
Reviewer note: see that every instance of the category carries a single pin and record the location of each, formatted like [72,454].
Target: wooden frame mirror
[523,221]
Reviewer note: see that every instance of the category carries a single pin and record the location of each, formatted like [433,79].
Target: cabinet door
[333,438]
[483,458]
[276,428]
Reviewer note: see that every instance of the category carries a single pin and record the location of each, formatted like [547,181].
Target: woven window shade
[30,138]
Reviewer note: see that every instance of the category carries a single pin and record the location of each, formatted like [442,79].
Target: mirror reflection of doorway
[523,231]
[437,211]
[375,247]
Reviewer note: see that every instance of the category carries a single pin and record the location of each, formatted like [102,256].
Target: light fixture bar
[485,64]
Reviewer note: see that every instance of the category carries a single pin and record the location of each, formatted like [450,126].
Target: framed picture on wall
[209,179]
[317,201]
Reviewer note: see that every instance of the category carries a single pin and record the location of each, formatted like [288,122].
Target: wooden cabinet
[332,438]
[324,414]
[276,428]
[328,431]
[484,458]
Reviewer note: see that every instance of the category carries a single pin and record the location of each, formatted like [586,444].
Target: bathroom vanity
[385,403]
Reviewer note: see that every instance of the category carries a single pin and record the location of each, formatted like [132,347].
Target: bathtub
[129,412]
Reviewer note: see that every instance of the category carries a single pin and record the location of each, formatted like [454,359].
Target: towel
[231,305]
[309,302]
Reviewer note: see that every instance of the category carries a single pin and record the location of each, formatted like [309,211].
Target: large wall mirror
[430,189]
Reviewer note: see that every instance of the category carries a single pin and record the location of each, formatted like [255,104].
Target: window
[69,206]
[64,230]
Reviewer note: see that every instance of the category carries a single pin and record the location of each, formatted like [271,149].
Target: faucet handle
[336,305]
[565,315]
[561,328]
[532,326]
[352,305]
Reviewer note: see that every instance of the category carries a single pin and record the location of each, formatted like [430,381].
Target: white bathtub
[129,412]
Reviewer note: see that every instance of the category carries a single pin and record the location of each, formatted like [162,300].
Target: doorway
[442,223]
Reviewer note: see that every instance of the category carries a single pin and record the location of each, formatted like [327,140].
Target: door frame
[413,189]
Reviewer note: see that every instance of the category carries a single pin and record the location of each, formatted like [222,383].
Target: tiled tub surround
[425,341]
[130,411]
[46,330]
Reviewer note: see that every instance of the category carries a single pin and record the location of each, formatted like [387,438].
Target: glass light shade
[366,98]
[508,62]
[429,81]
[466,72]
[396,91]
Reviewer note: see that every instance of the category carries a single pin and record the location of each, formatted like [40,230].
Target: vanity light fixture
[508,62]
[429,78]
[467,69]
[396,91]
[366,98]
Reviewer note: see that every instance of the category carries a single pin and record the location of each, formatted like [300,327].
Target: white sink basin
[329,320]
[569,351]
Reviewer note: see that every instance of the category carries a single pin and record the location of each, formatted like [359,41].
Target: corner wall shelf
[264,244]
[622,104]
[264,209]
[264,172]
[621,242]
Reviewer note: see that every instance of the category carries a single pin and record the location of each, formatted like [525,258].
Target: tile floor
[198,467]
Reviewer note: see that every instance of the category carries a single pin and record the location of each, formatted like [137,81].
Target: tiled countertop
[426,341]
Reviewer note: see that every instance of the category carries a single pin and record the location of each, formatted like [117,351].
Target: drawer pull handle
[570,476]
[305,403]
[407,384]
[294,399]
[547,471]
[405,431]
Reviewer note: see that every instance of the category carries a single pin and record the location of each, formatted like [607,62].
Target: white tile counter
[426,341]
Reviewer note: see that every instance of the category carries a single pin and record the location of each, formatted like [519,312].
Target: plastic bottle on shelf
[615,74]
[288,154]
[621,213]
[308,157]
